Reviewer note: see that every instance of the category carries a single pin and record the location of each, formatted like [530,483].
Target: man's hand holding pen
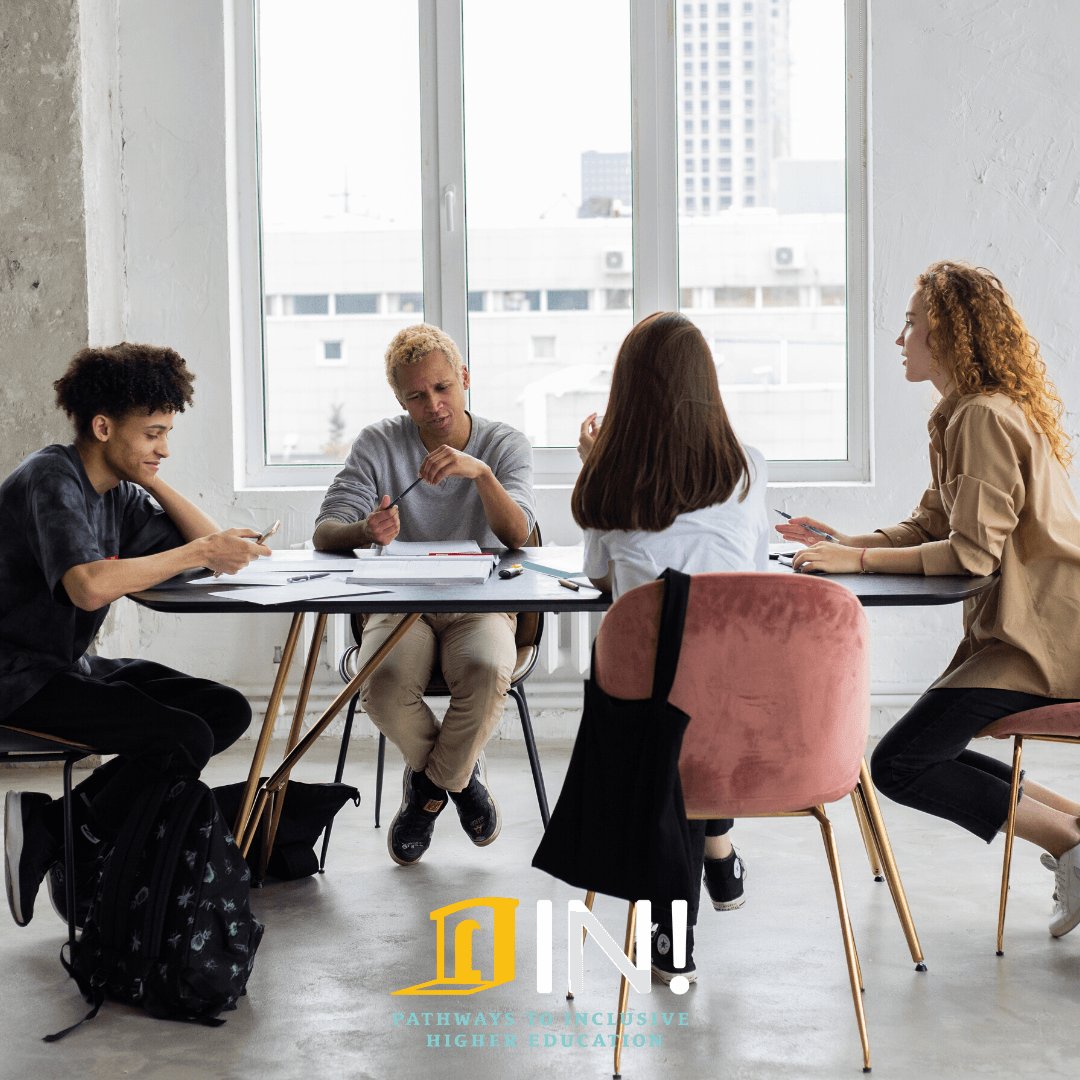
[383,522]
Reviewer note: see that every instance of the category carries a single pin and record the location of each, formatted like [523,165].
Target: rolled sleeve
[352,494]
[513,470]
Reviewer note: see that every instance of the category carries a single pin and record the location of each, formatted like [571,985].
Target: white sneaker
[1066,914]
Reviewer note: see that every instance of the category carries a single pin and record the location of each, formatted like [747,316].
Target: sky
[340,101]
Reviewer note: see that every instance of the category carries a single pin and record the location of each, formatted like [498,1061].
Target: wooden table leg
[267,732]
[275,782]
[294,733]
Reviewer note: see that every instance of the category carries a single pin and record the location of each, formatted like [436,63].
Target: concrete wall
[43,302]
[973,156]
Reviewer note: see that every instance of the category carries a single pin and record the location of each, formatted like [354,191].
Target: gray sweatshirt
[385,459]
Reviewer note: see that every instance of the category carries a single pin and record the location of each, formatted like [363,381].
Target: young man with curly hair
[78,530]
[478,486]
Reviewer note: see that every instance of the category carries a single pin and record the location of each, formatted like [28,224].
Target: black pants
[923,761]
[159,721]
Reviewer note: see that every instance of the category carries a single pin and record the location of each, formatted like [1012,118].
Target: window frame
[655,160]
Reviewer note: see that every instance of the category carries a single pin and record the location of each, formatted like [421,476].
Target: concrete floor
[772,996]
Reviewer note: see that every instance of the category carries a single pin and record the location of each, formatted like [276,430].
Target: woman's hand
[793,530]
[589,430]
[826,558]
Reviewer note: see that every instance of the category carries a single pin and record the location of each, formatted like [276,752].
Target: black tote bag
[620,826]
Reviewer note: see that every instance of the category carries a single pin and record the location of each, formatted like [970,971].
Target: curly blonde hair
[414,343]
[977,332]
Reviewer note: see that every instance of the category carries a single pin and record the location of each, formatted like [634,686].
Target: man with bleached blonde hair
[478,486]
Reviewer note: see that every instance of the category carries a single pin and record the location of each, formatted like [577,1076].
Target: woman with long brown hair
[665,482]
[999,502]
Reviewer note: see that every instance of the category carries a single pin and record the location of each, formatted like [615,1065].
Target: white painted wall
[974,155]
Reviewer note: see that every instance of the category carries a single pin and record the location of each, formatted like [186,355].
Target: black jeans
[923,761]
[159,721]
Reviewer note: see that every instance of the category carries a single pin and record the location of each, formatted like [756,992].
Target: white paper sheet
[323,589]
[288,562]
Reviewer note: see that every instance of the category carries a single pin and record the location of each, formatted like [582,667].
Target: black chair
[530,629]
[17,745]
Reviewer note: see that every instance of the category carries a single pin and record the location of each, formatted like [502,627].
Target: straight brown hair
[666,446]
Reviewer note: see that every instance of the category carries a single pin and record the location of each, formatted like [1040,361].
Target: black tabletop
[533,591]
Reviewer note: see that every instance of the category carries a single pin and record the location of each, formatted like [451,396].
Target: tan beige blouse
[1000,502]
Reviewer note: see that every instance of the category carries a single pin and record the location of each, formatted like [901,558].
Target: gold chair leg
[854,973]
[282,772]
[590,899]
[872,853]
[892,874]
[252,786]
[624,986]
[1010,832]
[294,731]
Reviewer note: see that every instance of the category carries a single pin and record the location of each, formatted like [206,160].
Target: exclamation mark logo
[679,984]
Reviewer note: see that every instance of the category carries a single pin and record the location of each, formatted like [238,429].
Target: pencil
[405,492]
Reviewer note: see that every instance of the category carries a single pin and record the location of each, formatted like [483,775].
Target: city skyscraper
[734,102]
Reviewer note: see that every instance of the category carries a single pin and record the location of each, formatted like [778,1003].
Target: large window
[536,201]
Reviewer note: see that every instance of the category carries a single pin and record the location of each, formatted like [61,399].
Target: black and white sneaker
[477,809]
[29,851]
[410,831]
[724,879]
[663,964]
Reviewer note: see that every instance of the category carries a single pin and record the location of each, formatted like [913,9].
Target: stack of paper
[402,549]
[429,570]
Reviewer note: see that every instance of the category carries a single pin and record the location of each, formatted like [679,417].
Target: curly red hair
[977,333]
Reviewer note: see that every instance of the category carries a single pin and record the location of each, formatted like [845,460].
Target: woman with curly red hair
[999,502]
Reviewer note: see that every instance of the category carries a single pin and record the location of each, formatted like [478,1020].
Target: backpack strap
[669,641]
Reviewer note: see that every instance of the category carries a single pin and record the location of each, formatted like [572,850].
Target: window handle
[449,199]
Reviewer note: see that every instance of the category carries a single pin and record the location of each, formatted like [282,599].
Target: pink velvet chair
[1051,723]
[775,676]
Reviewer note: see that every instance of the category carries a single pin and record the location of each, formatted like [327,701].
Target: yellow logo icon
[466,979]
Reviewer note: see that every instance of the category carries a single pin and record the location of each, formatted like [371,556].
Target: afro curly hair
[121,379]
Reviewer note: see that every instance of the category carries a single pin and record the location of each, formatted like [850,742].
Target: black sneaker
[29,851]
[663,966]
[86,879]
[410,831]
[724,879]
[477,809]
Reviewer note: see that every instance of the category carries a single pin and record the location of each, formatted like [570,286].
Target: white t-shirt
[731,535]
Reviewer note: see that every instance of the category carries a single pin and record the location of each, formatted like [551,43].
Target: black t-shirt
[52,519]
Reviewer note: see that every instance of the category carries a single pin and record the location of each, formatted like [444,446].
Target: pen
[810,528]
[405,492]
[308,577]
[569,584]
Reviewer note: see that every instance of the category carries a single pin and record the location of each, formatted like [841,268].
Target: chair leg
[872,853]
[624,985]
[892,874]
[854,973]
[379,776]
[1010,832]
[590,899]
[518,694]
[69,857]
[339,772]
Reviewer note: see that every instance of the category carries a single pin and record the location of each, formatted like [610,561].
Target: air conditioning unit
[788,257]
[617,262]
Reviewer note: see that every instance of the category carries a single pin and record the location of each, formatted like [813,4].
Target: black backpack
[169,927]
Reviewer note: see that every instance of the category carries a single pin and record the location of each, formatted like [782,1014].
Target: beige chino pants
[477,654]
